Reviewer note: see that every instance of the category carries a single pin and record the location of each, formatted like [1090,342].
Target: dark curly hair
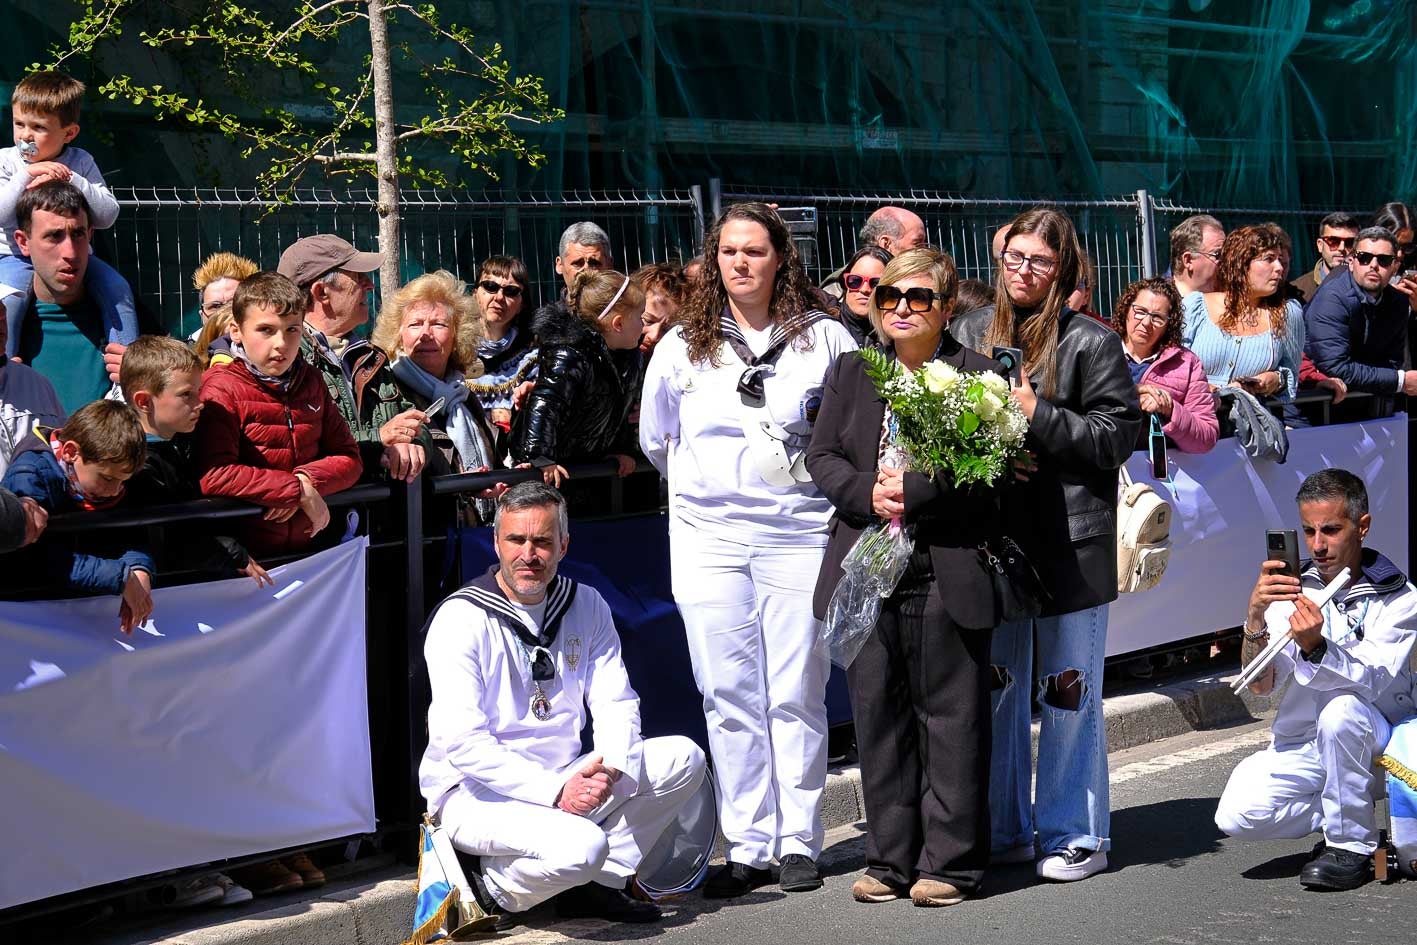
[1242,247]
[792,294]
[1171,336]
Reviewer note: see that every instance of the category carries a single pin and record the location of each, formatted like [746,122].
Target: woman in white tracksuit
[727,413]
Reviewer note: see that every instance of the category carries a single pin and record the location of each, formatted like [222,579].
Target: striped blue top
[1226,357]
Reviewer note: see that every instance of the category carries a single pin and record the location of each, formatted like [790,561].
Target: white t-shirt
[691,429]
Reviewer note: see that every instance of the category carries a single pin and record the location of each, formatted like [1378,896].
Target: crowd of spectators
[283,396]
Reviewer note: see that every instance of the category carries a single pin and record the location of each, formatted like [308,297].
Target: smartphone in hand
[1009,359]
[1282,544]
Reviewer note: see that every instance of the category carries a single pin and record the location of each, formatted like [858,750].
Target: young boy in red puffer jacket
[269,432]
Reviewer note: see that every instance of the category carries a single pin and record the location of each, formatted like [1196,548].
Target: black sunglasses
[918,299]
[510,289]
[1384,259]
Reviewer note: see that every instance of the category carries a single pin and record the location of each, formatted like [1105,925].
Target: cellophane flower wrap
[943,420]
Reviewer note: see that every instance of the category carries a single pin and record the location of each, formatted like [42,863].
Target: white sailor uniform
[1333,720]
[744,554]
[501,743]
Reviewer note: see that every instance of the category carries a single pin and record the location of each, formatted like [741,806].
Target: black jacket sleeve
[1327,322]
[538,429]
[847,487]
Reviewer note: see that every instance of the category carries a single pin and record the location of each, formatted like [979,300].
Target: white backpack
[1143,536]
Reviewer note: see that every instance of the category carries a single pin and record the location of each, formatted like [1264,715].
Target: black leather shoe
[799,874]
[594,901]
[734,879]
[1337,869]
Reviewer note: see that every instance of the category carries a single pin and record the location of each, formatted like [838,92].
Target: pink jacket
[1193,426]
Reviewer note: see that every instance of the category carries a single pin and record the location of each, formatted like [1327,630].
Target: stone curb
[378,910]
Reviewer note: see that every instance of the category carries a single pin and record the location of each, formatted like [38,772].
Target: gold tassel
[434,923]
[1399,770]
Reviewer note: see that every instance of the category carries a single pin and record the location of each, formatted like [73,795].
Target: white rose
[995,383]
[940,377]
[989,406]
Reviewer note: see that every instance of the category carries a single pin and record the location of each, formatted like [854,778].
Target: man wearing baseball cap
[336,279]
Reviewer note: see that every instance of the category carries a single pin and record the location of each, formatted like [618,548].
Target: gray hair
[532,494]
[884,222]
[586,234]
[1189,235]
[1377,233]
[1328,484]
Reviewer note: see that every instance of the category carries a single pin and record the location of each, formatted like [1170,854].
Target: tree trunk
[385,149]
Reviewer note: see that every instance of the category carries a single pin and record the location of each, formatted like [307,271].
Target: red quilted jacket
[252,440]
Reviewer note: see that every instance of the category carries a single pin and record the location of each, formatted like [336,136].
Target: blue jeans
[1071,809]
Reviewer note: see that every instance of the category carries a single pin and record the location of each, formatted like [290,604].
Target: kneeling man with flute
[1348,656]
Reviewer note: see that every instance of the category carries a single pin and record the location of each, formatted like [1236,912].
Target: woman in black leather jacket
[1084,421]
[588,376]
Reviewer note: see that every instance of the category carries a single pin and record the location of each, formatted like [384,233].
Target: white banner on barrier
[235,722]
[1224,501]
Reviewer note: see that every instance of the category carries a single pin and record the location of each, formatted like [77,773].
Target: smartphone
[1009,359]
[1282,544]
[1156,447]
[1409,275]
[434,407]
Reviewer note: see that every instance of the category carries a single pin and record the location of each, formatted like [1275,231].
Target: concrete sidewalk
[376,908]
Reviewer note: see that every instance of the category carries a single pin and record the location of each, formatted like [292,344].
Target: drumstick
[1260,663]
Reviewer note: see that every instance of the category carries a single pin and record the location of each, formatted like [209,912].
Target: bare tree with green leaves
[471,104]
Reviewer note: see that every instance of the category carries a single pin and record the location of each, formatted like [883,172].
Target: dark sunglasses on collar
[510,289]
[918,299]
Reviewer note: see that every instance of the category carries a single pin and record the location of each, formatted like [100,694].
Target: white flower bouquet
[942,421]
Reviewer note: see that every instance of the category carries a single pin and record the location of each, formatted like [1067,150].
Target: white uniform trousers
[747,610]
[530,853]
[1293,789]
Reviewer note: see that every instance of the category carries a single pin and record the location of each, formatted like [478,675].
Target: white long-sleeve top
[1370,630]
[481,730]
[103,206]
[691,430]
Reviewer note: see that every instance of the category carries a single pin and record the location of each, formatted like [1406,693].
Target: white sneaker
[1023,853]
[1071,864]
[233,893]
[195,892]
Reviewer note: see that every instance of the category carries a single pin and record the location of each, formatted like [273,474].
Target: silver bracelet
[1262,634]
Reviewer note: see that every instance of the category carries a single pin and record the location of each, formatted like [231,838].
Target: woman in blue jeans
[1084,418]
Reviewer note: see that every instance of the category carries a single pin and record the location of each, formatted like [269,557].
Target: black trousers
[920,699]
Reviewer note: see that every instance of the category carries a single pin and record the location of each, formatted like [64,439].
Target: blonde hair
[435,288]
[49,93]
[223,266]
[217,324]
[921,261]
[149,363]
[591,293]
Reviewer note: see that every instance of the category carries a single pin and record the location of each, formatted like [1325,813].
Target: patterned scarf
[71,481]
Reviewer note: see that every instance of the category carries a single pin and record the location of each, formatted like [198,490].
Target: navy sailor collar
[1378,576]
[485,593]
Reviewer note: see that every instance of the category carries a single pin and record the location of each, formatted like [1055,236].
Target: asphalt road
[1173,879]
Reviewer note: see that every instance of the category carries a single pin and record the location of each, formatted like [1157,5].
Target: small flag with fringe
[1400,760]
[446,909]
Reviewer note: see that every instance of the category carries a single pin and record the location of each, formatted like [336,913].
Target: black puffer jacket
[1065,516]
[580,407]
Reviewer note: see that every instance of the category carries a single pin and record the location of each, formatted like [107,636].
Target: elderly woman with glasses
[1084,420]
[216,280]
[1171,382]
[1249,333]
[920,685]
[858,280]
[508,347]
[729,402]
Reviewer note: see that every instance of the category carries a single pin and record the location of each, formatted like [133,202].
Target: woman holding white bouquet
[920,683]
[1084,418]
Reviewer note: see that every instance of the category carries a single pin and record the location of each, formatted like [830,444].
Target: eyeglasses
[1142,315]
[1384,259]
[1213,255]
[509,289]
[1333,242]
[1015,261]
[854,282]
[918,299]
[211,307]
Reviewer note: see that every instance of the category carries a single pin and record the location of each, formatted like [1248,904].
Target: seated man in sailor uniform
[516,658]
[1350,684]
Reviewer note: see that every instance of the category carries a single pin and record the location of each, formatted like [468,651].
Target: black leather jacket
[580,406]
[1065,516]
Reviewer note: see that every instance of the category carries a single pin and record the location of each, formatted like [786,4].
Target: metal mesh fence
[1302,225]
[162,235]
